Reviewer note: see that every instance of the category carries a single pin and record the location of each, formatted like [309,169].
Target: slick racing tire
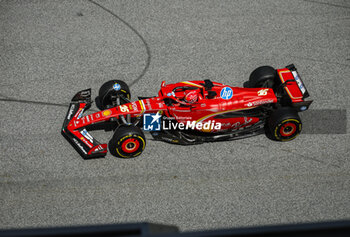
[284,124]
[128,141]
[110,89]
[262,77]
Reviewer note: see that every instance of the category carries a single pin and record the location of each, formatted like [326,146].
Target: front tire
[284,124]
[110,89]
[128,141]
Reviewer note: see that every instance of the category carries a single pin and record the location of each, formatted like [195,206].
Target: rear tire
[128,141]
[262,77]
[109,89]
[284,124]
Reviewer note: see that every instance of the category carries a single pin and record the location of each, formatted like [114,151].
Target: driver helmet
[191,96]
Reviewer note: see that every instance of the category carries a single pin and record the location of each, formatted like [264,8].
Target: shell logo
[107,112]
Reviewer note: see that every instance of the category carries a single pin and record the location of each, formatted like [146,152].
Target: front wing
[80,139]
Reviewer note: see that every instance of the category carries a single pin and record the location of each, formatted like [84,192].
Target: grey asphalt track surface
[49,50]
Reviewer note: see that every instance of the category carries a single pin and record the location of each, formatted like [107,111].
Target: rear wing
[294,86]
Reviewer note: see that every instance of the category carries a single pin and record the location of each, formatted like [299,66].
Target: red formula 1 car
[189,112]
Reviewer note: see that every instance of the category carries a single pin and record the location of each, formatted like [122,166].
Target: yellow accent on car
[142,108]
[192,84]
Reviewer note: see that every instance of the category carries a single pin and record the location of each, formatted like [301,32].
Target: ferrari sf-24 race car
[189,112]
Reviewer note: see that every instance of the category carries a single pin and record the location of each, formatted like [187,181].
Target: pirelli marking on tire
[284,121]
[124,138]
